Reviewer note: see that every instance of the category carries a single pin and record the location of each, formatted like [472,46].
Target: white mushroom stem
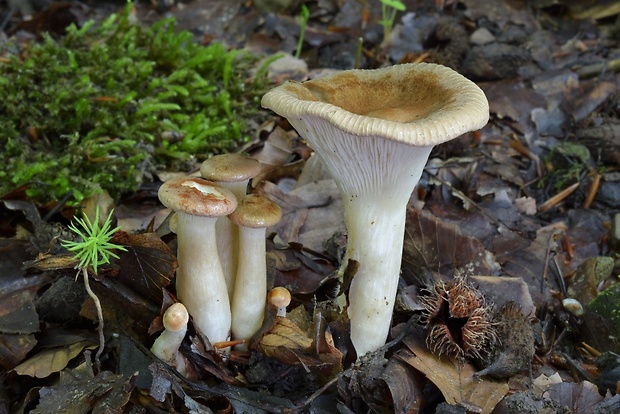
[200,283]
[233,172]
[227,234]
[166,346]
[375,192]
[250,296]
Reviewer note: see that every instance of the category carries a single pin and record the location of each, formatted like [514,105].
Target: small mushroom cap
[197,196]
[230,168]
[421,104]
[279,297]
[176,317]
[256,211]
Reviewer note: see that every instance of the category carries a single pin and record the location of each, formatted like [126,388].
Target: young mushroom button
[280,297]
[232,171]
[254,214]
[200,281]
[373,130]
[166,346]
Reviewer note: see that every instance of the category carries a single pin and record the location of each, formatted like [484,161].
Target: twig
[592,190]
[95,299]
[556,199]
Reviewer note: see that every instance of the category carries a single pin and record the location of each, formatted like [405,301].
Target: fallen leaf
[457,383]
[311,214]
[287,343]
[502,289]
[18,314]
[284,335]
[48,361]
[78,391]
[147,266]
[14,348]
[403,386]
[301,270]
[430,243]
[531,263]
[579,398]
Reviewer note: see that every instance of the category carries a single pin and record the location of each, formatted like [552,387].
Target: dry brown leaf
[14,348]
[302,271]
[51,360]
[580,398]
[276,149]
[430,243]
[287,343]
[457,384]
[79,391]
[403,386]
[311,214]
[507,171]
[531,263]
[284,334]
[147,266]
[502,289]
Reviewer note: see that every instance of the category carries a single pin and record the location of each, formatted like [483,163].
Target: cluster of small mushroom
[373,130]
[221,276]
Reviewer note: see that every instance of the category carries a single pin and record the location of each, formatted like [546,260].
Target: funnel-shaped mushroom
[374,130]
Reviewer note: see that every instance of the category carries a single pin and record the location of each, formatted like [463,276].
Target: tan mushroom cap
[197,196]
[230,168]
[420,104]
[280,297]
[256,211]
[176,317]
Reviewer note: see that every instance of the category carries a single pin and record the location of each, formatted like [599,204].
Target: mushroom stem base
[200,283]
[378,249]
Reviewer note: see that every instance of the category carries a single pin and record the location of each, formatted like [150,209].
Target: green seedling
[304,15]
[94,247]
[92,250]
[389,8]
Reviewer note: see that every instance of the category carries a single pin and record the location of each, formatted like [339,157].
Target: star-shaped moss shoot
[95,248]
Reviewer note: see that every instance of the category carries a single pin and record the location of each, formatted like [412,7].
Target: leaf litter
[478,211]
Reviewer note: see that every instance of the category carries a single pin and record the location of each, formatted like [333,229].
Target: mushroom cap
[279,296]
[230,168]
[256,211]
[176,317]
[421,104]
[197,196]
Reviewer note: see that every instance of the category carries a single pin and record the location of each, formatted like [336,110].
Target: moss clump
[567,162]
[607,305]
[108,104]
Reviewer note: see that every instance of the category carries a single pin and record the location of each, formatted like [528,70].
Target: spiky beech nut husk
[458,320]
[515,347]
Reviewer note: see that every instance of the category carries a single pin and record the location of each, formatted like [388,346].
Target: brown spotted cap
[197,196]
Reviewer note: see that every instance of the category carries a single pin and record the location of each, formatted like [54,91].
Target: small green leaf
[395,4]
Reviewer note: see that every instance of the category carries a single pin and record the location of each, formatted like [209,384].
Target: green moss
[607,305]
[568,161]
[93,109]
